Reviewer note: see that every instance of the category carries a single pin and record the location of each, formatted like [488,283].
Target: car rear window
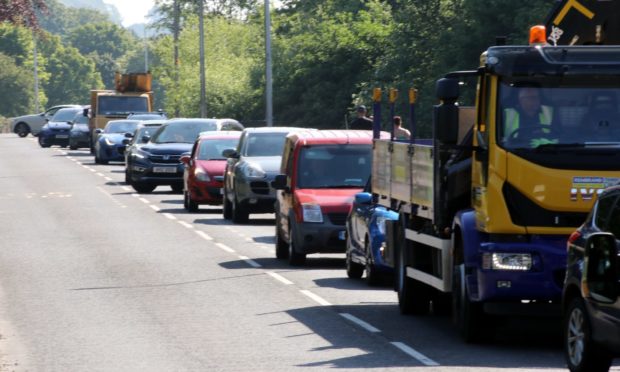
[212,149]
[264,144]
[334,166]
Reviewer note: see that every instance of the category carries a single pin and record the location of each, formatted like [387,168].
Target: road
[95,277]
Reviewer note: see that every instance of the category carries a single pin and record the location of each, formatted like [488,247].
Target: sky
[132,11]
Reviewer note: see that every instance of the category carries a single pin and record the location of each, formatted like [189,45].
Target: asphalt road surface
[95,277]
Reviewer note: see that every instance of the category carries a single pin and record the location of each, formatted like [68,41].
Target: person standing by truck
[400,133]
[362,122]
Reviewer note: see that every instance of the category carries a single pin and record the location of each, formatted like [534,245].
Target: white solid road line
[415,354]
[360,322]
[250,261]
[279,278]
[204,235]
[224,247]
[316,298]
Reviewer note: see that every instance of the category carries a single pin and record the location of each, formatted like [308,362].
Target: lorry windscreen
[580,112]
[334,166]
[121,105]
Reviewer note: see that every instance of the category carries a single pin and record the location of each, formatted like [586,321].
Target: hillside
[111,10]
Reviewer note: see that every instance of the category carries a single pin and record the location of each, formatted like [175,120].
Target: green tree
[72,75]
[16,93]
[60,19]
[21,12]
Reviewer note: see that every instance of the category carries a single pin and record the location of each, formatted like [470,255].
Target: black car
[158,162]
[138,138]
[79,135]
[592,284]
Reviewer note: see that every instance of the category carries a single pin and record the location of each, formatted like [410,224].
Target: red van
[321,172]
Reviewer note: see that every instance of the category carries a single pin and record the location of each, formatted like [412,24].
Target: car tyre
[354,270]
[582,354]
[127,176]
[239,212]
[294,257]
[42,142]
[143,187]
[177,189]
[373,277]
[226,208]
[22,129]
[73,147]
[281,244]
[190,205]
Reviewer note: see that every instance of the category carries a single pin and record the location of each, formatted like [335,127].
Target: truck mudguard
[465,221]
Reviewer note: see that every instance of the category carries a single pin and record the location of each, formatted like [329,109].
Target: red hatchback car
[204,168]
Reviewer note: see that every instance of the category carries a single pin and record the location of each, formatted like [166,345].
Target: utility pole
[36,73]
[146,52]
[203,90]
[176,31]
[268,69]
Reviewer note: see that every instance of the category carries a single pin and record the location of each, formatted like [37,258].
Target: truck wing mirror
[601,268]
[446,114]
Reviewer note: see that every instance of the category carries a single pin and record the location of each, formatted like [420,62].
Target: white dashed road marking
[316,298]
[155,208]
[204,235]
[187,225]
[279,278]
[145,201]
[250,261]
[226,248]
[169,216]
[360,322]
[415,354]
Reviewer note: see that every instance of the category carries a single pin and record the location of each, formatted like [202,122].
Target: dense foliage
[327,54]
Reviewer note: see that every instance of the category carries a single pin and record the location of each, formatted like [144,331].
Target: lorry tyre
[466,315]
[582,354]
[413,296]
[294,257]
[281,244]
[354,270]
[22,129]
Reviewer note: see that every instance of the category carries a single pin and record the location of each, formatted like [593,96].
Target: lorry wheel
[413,296]
[281,244]
[581,353]
[294,258]
[466,315]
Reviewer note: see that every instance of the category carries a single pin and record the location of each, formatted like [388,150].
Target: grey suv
[249,172]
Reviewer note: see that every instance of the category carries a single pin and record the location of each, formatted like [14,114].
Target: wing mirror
[185,159]
[279,183]
[230,153]
[363,198]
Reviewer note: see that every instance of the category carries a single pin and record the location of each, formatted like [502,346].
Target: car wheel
[73,147]
[582,354]
[190,205]
[127,176]
[294,257]
[239,212]
[354,270]
[226,208]
[143,187]
[373,277]
[177,189]
[281,244]
[42,142]
[22,129]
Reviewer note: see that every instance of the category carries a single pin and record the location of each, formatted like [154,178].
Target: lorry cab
[321,171]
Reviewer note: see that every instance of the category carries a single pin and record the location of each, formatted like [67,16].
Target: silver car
[22,125]
[249,172]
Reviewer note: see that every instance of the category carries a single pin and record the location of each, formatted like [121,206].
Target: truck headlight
[507,261]
[312,213]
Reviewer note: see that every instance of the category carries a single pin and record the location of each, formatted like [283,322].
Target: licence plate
[164,169]
[221,191]
[342,235]
[62,136]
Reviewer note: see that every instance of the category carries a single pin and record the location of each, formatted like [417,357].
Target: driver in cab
[529,122]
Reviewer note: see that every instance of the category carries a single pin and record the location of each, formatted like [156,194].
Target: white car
[22,125]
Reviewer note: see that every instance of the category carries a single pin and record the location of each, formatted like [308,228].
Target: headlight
[138,155]
[108,141]
[201,175]
[312,213]
[254,171]
[507,261]
[381,224]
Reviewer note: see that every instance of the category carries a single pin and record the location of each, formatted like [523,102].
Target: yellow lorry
[132,94]
[486,206]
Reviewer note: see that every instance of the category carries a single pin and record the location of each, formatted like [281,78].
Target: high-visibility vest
[511,122]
